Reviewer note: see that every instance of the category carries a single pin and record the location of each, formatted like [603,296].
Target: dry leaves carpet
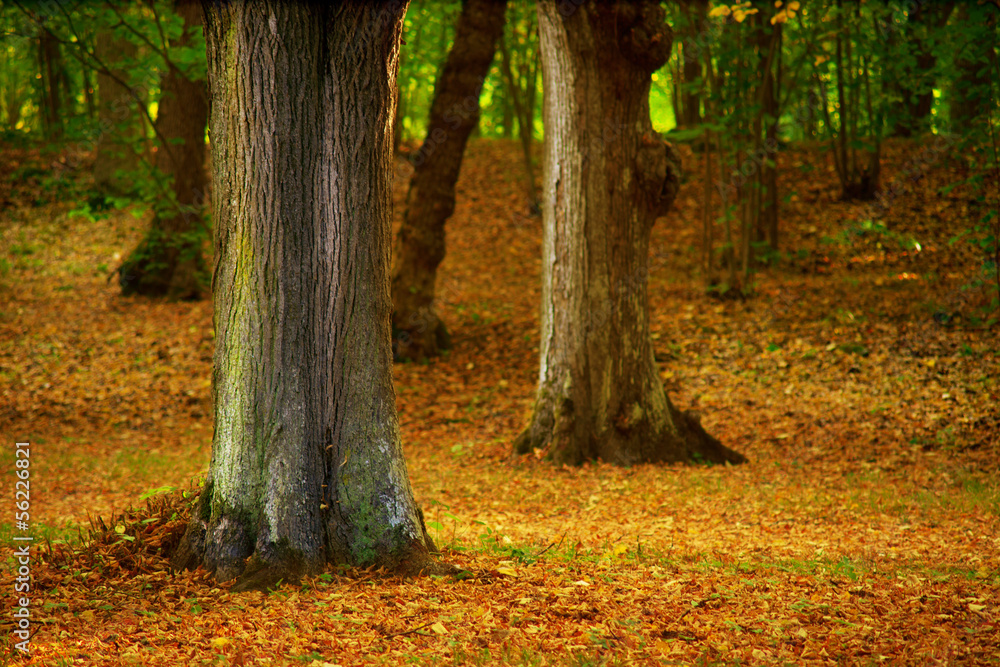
[865,530]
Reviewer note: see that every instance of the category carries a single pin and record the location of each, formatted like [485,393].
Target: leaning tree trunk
[168,261]
[600,394]
[307,466]
[417,330]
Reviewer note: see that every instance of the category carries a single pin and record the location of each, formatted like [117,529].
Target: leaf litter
[865,528]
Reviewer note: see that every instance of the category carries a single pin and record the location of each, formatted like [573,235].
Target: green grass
[42,533]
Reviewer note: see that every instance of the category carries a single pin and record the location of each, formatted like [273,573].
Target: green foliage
[157,491]
[17,75]
[152,28]
[428,31]
[152,261]
[878,233]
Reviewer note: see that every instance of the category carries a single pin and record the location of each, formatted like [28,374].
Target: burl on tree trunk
[416,328]
[607,177]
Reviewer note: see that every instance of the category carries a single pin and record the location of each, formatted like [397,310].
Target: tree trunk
[766,127]
[89,94]
[117,159]
[169,261]
[858,169]
[50,66]
[13,93]
[416,328]
[696,13]
[525,123]
[604,184]
[508,107]
[307,466]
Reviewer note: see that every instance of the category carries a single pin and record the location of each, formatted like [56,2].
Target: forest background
[824,294]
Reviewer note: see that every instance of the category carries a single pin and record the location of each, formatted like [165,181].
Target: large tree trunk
[169,261]
[604,184]
[417,330]
[117,158]
[307,466]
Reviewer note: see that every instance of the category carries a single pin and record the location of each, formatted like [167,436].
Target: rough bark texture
[307,466]
[169,262]
[607,176]
[420,246]
[116,112]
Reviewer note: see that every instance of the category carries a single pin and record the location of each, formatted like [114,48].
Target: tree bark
[116,159]
[169,261]
[607,177]
[307,466]
[420,246]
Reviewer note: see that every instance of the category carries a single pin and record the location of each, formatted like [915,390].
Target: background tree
[974,36]
[307,466]
[118,139]
[428,32]
[856,136]
[607,176]
[694,14]
[155,39]
[743,104]
[519,68]
[420,246]
[16,71]
[915,57]
[169,261]
[52,83]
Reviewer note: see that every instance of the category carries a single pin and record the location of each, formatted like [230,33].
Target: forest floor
[859,379]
